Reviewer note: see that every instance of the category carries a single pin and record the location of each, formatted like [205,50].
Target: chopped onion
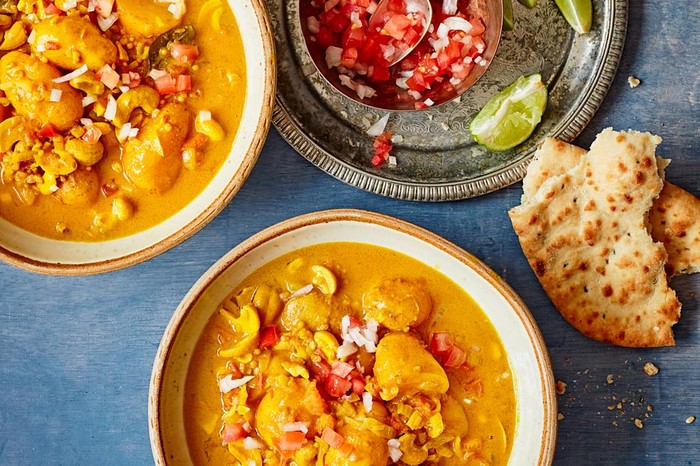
[124,89]
[333,56]
[228,383]
[134,132]
[124,132]
[304,290]
[31,37]
[372,7]
[69,5]
[345,350]
[108,76]
[102,7]
[365,91]
[86,121]
[378,128]
[367,401]
[56,95]
[443,31]
[204,115]
[456,23]
[73,74]
[392,161]
[296,427]
[449,7]
[397,139]
[429,102]
[108,22]
[111,109]
[250,443]
[313,24]
[156,73]
[87,100]
[394,451]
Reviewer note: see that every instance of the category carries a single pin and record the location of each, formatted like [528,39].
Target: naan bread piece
[675,221]
[584,235]
[674,218]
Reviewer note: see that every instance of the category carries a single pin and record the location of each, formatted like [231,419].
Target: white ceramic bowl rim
[535,435]
[44,255]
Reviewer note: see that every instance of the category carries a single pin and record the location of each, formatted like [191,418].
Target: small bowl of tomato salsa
[356,57]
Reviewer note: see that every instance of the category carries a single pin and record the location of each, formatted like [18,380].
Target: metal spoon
[412,6]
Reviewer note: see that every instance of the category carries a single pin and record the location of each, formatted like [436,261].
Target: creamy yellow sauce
[219,86]
[485,391]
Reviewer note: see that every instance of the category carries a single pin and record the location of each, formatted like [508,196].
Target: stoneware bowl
[535,432]
[440,93]
[43,255]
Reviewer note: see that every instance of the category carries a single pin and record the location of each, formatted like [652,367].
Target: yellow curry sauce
[181,105]
[269,361]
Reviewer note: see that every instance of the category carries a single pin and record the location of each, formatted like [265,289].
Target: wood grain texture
[76,352]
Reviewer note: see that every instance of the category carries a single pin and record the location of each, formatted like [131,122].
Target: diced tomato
[334,20]
[269,336]
[47,131]
[325,37]
[397,25]
[335,440]
[354,37]
[411,36]
[349,57]
[184,83]
[396,5]
[348,9]
[108,76]
[342,369]
[291,441]
[321,370]
[358,385]
[185,53]
[337,386]
[233,432]
[52,45]
[456,357]
[379,73]
[478,43]
[51,10]
[92,134]
[478,27]
[166,85]
[441,342]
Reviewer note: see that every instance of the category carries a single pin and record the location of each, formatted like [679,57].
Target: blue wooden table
[76,353]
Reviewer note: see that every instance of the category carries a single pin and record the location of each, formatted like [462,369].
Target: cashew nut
[56,163]
[142,96]
[5,22]
[210,128]
[327,344]
[324,279]
[15,37]
[88,83]
[122,208]
[13,130]
[84,152]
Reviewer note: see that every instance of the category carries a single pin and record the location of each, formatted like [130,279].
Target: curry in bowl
[114,115]
[349,353]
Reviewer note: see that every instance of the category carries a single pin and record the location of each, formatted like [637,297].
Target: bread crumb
[651,369]
[561,387]
[690,420]
[560,416]
[650,408]
[639,423]
[633,82]
[610,379]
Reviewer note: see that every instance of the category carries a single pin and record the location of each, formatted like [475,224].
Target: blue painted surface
[76,353]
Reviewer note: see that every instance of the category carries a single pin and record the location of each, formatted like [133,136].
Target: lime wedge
[511,116]
[529,3]
[507,15]
[578,13]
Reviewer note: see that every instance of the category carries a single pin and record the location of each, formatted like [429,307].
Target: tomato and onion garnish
[362,55]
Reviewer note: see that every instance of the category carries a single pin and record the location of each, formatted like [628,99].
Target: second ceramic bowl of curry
[170,397]
[40,237]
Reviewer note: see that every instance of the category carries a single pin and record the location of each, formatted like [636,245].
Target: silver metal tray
[437,159]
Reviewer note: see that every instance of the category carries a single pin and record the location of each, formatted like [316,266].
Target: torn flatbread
[584,234]
[674,217]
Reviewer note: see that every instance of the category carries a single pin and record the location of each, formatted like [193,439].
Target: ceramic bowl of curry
[125,126]
[349,337]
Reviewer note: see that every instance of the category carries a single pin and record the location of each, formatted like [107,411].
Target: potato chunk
[80,188]
[313,309]
[404,367]
[79,43]
[27,82]
[152,160]
[146,18]
[398,304]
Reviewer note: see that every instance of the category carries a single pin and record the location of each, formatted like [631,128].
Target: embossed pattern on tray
[437,158]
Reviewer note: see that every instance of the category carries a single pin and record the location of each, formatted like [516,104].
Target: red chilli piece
[269,337]
[47,131]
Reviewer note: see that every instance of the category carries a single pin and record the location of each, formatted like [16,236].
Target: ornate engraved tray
[437,160]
